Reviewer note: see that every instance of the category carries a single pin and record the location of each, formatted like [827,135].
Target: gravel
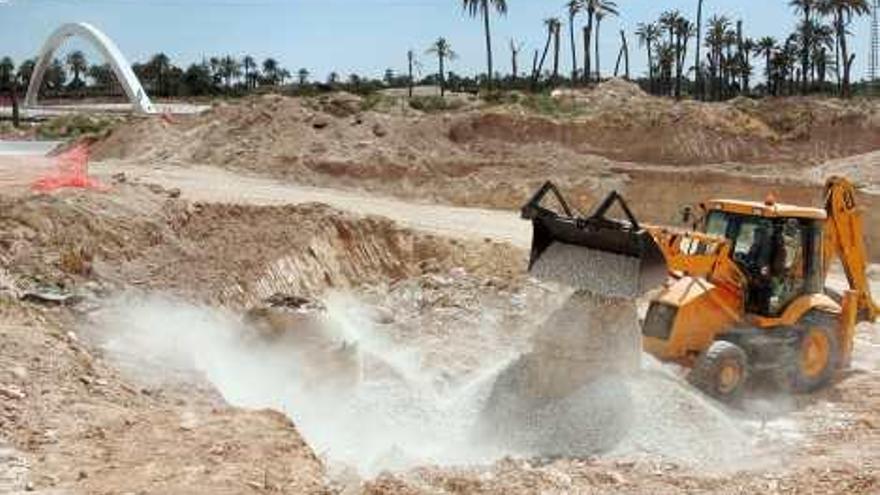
[599,272]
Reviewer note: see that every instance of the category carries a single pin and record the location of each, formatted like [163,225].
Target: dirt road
[212,184]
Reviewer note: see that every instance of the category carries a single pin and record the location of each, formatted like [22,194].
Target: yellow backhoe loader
[743,292]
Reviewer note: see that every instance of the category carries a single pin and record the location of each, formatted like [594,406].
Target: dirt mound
[607,93]
[624,124]
[224,254]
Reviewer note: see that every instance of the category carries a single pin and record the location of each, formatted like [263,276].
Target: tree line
[815,57]
[714,61]
[75,75]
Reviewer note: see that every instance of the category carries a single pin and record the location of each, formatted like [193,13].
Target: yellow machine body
[706,298]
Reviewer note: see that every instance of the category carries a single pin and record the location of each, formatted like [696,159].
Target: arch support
[121,68]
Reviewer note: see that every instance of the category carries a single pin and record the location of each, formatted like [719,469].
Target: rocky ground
[99,290]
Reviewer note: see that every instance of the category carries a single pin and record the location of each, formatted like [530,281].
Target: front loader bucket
[602,255]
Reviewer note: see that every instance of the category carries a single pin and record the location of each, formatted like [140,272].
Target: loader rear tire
[810,361]
[721,371]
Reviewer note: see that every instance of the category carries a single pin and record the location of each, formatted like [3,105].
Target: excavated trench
[388,349]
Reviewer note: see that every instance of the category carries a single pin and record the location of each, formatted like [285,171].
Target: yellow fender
[797,309]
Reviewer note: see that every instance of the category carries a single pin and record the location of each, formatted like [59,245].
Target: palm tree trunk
[650,67]
[534,66]
[442,77]
[837,21]
[537,74]
[697,63]
[556,43]
[745,76]
[844,55]
[409,81]
[625,53]
[805,55]
[588,34]
[488,41]
[598,67]
[574,63]
[679,62]
[513,65]
[15,117]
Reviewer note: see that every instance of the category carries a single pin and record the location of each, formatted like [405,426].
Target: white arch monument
[130,83]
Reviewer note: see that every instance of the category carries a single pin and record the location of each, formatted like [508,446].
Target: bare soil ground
[221,210]
[489,155]
[662,154]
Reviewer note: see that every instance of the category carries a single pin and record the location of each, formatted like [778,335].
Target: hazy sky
[364,36]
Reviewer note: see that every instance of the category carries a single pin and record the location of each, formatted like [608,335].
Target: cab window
[717,223]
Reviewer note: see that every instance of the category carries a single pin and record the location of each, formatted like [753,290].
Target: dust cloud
[395,415]
[367,403]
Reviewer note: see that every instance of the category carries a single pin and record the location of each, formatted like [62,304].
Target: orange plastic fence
[71,170]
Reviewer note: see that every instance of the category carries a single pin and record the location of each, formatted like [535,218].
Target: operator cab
[778,247]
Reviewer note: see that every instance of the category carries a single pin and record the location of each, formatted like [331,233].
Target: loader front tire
[811,359]
[721,371]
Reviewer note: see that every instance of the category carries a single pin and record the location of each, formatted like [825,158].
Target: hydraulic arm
[844,239]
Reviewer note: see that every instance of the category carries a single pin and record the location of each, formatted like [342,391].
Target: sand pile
[582,389]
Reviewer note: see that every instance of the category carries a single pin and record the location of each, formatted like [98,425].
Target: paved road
[205,183]
[47,111]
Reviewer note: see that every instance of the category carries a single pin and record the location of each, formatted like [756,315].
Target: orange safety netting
[71,170]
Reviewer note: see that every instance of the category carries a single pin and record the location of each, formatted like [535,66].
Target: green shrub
[545,104]
[435,103]
[75,126]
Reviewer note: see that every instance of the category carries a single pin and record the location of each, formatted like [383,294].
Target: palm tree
[551,24]
[648,34]
[25,70]
[574,7]
[102,75]
[283,75]
[302,76]
[556,45]
[7,72]
[216,67]
[669,22]
[747,47]
[55,75]
[766,46]
[594,8]
[599,16]
[410,62]
[843,12]
[157,68]
[805,7]
[230,68]
[443,50]
[270,71]
[683,32]
[76,61]
[698,65]
[514,52]
[716,38]
[9,79]
[249,71]
[482,7]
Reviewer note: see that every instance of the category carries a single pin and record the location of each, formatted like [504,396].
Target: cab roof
[769,209]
